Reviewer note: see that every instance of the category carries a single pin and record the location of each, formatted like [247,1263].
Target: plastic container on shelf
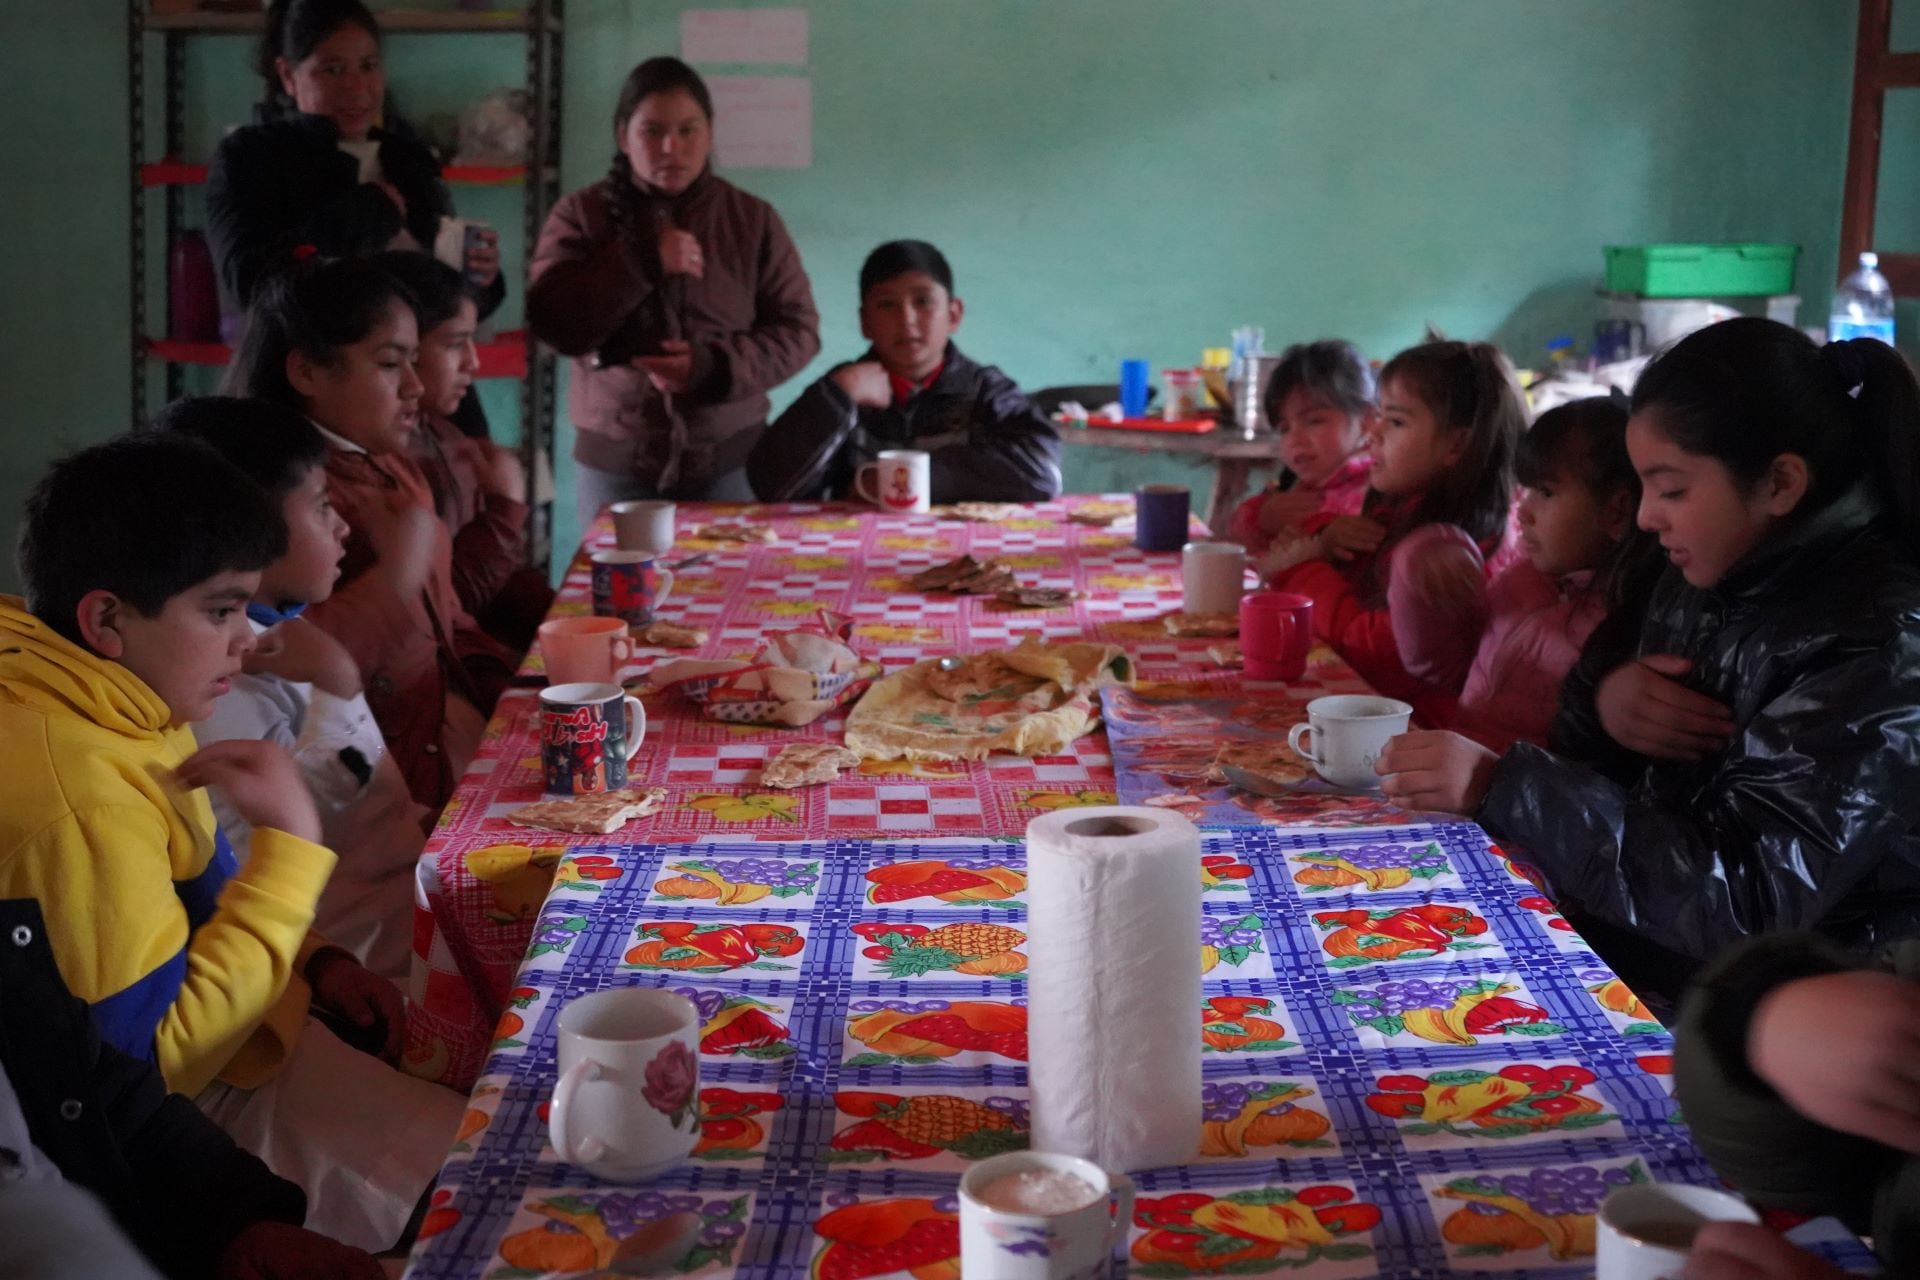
[1701,270]
[1862,305]
[1185,396]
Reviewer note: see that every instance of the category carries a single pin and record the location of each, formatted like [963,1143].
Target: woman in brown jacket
[681,298]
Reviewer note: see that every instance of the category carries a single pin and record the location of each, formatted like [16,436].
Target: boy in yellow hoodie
[139,556]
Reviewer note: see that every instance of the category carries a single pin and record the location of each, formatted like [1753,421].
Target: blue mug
[1160,517]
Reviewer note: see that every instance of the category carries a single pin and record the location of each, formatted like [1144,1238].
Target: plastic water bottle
[1863,305]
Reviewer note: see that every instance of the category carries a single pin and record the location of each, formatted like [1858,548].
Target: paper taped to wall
[775,36]
[762,122]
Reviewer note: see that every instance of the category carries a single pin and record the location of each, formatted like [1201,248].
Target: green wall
[1109,177]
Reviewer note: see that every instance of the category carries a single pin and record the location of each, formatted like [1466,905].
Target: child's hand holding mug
[1436,771]
[1748,1251]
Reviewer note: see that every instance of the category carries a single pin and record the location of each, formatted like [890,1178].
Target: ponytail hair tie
[1848,365]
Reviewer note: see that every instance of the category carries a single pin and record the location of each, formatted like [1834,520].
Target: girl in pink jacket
[1575,519]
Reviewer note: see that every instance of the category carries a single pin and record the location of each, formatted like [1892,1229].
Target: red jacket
[1343,494]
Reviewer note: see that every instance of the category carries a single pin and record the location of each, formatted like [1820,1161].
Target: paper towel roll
[1113,985]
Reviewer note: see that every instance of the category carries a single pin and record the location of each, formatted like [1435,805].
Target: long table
[482,879]
[1413,1066]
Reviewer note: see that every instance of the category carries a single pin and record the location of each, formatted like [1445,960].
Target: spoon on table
[1244,780]
[656,1248]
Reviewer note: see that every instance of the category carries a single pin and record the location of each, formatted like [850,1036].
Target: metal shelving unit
[511,355]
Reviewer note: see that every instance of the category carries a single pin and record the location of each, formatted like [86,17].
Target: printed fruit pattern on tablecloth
[751,807]
[1049,801]
[593,1230]
[1241,1115]
[731,882]
[1360,936]
[1194,1233]
[1223,873]
[953,880]
[912,950]
[729,1129]
[513,1021]
[1446,1010]
[478,1115]
[1374,867]
[518,876]
[1518,868]
[738,1026]
[923,1032]
[1239,1024]
[1615,996]
[1550,1207]
[1229,942]
[919,1237]
[712,948]
[555,935]
[1548,913]
[586,873]
[919,1126]
[1518,1101]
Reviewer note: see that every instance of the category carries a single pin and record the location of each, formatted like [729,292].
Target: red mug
[1276,630]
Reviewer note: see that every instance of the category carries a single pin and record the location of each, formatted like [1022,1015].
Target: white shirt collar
[337,441]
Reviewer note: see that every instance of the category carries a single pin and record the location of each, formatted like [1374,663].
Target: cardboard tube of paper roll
[1113,985]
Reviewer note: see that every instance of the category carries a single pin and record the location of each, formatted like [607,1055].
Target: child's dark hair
[1470,387]
[295,27]
[1331,371]
[1745,391]
[276,447]
[435,289]
[144,516]
[320,307]
[897,258]
[1585,442]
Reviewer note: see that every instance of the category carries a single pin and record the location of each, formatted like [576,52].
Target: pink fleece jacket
[1342,495]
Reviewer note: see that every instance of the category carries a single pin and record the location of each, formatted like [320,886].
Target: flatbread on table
[600,814]
[1191,625]
[1035,597]
[986,512]
[673,635]
[806,764]
[733,531]
[1269,759]
[1100,514]
[990,579]
[1226,653]
[942,576]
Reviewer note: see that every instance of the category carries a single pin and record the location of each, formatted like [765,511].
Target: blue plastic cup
[1135,382]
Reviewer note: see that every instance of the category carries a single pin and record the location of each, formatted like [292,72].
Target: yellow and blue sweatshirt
[187,961]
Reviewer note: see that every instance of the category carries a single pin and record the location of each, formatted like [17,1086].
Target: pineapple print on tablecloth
[897,950]
[931,1130]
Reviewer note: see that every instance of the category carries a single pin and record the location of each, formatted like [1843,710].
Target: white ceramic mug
[1006,1243]
[901,481]
[1344,735]
[627,1104]
[1646,1232]
[643,525]
[1212,576]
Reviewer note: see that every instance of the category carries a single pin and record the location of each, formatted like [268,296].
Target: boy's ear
[956,310]
[1785,484]
[1616,517]
[98,616]
[283,71]
[303,374]
[866,330]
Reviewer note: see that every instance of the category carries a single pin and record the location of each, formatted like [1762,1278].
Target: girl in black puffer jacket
[1751,760]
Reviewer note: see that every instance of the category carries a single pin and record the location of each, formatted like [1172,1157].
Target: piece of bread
[1190,625]
[600,814]
[806,764]
[672,635]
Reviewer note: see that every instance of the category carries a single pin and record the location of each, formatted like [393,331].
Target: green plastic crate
[1701,270]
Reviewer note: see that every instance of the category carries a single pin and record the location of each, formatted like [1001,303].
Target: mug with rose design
[626,1107]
